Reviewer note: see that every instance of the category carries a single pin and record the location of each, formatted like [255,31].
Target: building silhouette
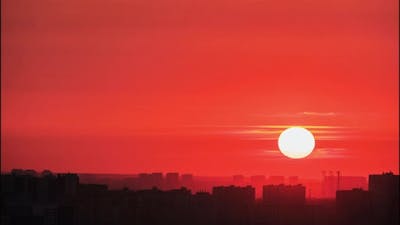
[234,195]
[283,204]
[384,189]
[353,206]
[187,180]
[258,181]
[68,184]
[45,198]
[284,194]
[234,205]
[157,180]
[172,181]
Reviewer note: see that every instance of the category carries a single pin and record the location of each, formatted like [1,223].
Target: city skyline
[47,198]
[324,187]
[201,112]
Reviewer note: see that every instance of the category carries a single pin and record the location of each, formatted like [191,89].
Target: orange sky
[199,86]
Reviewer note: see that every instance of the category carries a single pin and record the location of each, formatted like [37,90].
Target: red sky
[200,86]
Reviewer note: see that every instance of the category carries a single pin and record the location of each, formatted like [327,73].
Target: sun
[296,142]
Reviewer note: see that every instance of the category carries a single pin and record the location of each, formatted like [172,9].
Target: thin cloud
[319,113]
[305,126]
[319,153]
[327,153]
[272,132]
[257,131]
[268,153]
[302,114]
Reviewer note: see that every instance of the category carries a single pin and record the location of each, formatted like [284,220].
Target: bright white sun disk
[296,142]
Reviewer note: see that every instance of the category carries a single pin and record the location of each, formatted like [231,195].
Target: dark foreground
[61,199]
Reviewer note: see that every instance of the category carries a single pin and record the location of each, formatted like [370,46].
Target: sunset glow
[203,87]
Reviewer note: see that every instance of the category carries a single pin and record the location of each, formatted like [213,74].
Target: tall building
[172,180]
[234,195]
[284,194]
[384,190]
[156,180]
[47,188]
[187,180]
[353,206]
[329,186]
[385,184]
[234,205]
[144,181]
[258,181]
[68,183]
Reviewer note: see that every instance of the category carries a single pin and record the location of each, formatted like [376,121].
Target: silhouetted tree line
[29,198]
